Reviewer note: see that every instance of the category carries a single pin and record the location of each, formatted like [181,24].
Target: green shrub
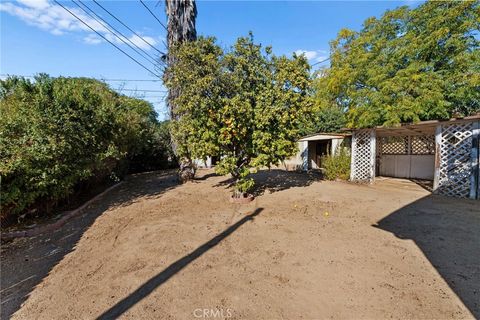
[156,151]
[56,133]
[337,166]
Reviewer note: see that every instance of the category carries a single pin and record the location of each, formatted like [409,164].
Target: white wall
[407,166]
[303,160]
[297,161]
[203,164]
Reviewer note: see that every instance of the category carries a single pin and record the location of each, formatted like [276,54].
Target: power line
[142,90]
[156,18]
[113,16]
[153,14]
[153,97]
[130,80]
[320,61]
[153,60]
[101,79]
[86,24]
[115,32]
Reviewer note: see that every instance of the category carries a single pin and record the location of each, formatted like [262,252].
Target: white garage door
[410,157]
[407,166]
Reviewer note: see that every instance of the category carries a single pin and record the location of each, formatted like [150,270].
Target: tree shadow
[447,230]
[206,176]
[148,287]
[275,180]
[25,262]
[278,180]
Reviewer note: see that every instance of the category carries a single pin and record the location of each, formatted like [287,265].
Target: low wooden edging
[60,222]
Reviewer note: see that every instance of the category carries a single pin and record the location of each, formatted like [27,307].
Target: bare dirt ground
[305,249]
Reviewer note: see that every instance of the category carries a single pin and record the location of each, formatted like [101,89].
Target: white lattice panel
[422,145]
[363,155]
[393,145]
[455,161]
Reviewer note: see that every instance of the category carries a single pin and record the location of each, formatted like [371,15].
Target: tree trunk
[181,16]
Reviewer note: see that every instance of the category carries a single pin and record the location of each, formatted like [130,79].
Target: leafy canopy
[409,65]
[56,133]
[327,115]
[245,105]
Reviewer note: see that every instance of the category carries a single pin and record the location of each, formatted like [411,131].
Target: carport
[406,152]
[446,152]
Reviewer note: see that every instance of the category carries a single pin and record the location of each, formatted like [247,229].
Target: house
[210,162]
[313,147]
[446,152]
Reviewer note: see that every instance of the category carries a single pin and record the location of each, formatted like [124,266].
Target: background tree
[181,15]
[246,105]
[198,74]
[327,115]
[409,65]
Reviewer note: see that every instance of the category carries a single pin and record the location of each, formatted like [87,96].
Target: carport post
[362,163]
[373,153]
[438,147]
[352,156]
[475,158]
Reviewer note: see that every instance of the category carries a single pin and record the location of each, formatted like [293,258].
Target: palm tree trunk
[181,16]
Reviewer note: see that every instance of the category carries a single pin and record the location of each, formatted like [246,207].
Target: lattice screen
[419,145]
[455,161]
[422,145]
[363,155]
[393,145]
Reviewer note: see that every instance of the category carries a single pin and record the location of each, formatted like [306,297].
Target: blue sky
[39,36]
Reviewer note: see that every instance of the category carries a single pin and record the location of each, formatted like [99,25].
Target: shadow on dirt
[275,180]
[148,287]
[425,184]
[447,230]
[25,262]
[206,176]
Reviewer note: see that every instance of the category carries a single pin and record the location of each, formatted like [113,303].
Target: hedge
[58,132]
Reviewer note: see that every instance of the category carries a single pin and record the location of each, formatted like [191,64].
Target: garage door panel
[402,166]
[422,167]
[407,166]
[395,166]
[387,165]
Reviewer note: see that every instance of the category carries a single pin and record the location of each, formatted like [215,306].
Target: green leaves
[409,65]
[337,166]
[58,132]
[245,105]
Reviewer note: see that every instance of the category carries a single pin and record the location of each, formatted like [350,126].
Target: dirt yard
[304,249]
